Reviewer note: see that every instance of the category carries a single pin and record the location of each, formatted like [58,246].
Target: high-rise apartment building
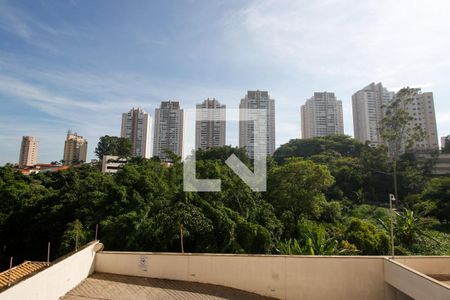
[169,125]
[421,109]
[75,148]
[210,124]
[257,101]
[28,151]
[137,126]
[368,112]
[445,140]
[322,116]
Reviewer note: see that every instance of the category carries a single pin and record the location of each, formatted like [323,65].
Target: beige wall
[55,281]
[426,264]
[284,277]
[413,283]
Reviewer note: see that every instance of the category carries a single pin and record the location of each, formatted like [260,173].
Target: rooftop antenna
[76,241]
[48,254]
[181,238]
[96,232]
[9,272]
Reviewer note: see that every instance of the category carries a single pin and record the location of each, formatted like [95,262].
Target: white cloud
[353,39]
[301,46]
[86,102]
[18,88]
[31,30]
[344,45]
[443,117]
[11,22]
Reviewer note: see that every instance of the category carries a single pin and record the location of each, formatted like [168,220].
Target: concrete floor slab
[120,287]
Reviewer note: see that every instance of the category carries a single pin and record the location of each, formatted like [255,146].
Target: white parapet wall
[282,277]
[414,282]
[278,276]
[56,280]
[426,264]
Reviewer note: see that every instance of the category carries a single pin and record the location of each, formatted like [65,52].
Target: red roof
[18,272]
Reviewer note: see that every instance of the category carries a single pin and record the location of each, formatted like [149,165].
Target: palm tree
[315,243]
[410,228]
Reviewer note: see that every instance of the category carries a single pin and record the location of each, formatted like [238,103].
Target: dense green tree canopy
[113,145]
[298,186]
[222,154]
[367,238]
[438,191]
[341,144]
[325,196]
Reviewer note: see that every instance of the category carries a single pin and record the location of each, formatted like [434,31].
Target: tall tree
[113,145]
[397,130]
[74,237]
[298,186]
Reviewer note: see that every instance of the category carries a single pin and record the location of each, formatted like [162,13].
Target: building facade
[257,100]
[210,125]
[322,115]
[75,149]
[137,126]
[444,141]
[28,151]
[169,129]
[112,163]
[368,112]
[421,109]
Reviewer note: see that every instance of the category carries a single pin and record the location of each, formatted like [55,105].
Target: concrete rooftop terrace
[444,278]
[91,273]
[114,287]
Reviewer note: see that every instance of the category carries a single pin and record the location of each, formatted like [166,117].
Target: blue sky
[79,64]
